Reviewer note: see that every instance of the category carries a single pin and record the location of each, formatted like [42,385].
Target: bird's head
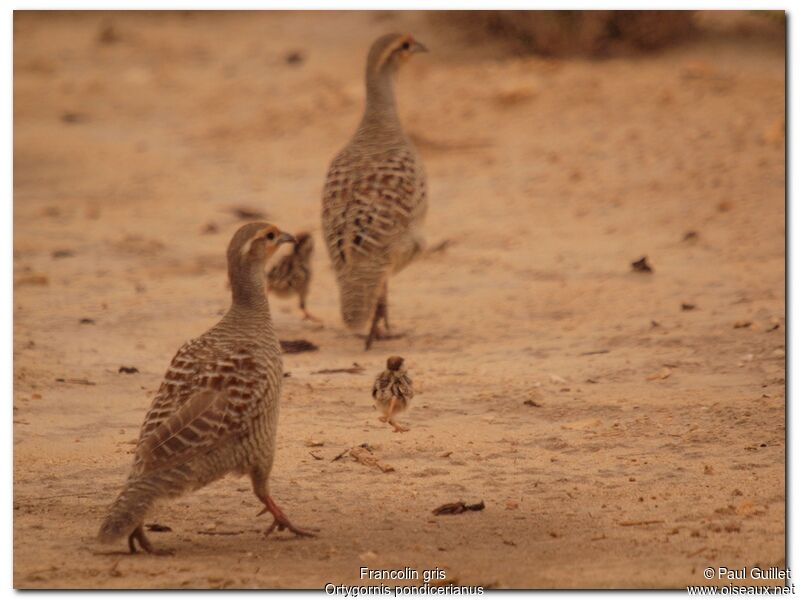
[304,244]
[394,363]
[390,51]
[253,244]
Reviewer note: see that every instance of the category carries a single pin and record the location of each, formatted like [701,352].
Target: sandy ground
[616,439]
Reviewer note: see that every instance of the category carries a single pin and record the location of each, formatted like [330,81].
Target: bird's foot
[382,418]
[380,335]
[398,428]
[282,522]
[139,536]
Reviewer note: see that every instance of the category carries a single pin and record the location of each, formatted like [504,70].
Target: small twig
[440,247]
[78,381]
[591,352]
[342,455]
[635,523]
[696,552]
[356,368]
[77,495]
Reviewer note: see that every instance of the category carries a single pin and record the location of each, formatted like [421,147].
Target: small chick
[392,391]
[292,274]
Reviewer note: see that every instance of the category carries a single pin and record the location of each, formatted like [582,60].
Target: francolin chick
[393,391]
[216,411]
[292,274]
[374,198]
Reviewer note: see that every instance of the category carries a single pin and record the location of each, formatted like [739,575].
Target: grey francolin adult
[392,391]
[374,199]
[216,411]
[292,274]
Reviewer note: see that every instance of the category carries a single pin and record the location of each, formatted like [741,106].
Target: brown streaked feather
[208,393]
[393,384]
[370,203]
[197,425]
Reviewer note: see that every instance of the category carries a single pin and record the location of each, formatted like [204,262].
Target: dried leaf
[456,508]
[690,236]
[129,370]
[247,213]
[295,57]
[642,266]
[297,346]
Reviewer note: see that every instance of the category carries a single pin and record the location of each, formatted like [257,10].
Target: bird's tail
[129,509]
[359,292]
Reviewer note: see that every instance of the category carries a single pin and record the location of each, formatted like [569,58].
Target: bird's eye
[406,45]
[271,235]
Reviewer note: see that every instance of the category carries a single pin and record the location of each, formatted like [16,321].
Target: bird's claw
[284,525]
[281,523]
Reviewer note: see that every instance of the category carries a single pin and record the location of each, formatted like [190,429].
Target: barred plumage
[374,198]
[392,391]
[216,411]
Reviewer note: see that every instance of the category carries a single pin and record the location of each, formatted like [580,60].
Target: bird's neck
[248,291]
[380,122]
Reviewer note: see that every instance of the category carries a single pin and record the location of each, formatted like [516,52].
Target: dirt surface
[624,429]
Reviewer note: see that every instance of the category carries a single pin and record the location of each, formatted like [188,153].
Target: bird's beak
[418,47]
[286,237]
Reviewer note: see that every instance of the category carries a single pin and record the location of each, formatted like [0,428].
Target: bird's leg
[385,414]
[385,302]
[390,418]
[381,314]
[373,330]
[307,315]
[384,316]
[281,521]
[139,536]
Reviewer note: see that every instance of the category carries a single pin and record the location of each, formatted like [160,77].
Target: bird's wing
[369,205]
[206,397]
[407,387]
[197,425]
